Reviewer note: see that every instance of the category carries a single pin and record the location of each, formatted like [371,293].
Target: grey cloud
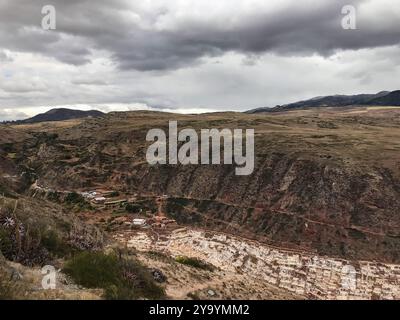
[198,55]
[21,88]
[4,57]
[135,40]
[89,82]
[10,114]
[19,84]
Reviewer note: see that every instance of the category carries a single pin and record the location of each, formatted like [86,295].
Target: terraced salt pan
[302,273]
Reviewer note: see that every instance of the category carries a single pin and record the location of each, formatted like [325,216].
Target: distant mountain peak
[62,114]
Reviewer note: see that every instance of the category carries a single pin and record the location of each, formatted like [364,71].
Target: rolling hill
[62,114]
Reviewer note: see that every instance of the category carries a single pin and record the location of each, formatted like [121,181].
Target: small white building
[139,222]
[100,200]
[89,195]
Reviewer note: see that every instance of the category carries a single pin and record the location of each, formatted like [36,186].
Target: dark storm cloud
[166,36]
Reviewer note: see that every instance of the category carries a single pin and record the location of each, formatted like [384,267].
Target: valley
[324,197]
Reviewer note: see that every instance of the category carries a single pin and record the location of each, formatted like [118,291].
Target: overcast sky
[192,55]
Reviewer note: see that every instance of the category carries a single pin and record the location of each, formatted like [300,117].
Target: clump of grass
[194,262]
[9,289]
[159,256]
[121,279]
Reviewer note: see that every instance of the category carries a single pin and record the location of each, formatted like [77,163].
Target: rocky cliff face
[291,202]
[323,182]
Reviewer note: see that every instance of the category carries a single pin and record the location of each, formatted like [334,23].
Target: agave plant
[8,222]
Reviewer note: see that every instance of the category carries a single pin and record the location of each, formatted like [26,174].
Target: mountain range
[383,98]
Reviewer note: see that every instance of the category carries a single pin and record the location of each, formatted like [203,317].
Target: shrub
[30,243]
[121,279]
[157,255]
[114,194]
[77,201]
[53,196]
[74,198]
[181,201]
[133,208]
[194,262]
[4,191]
[93,270]
[34,235]
[23,244]
[193,296]
[6,244]
[55,244]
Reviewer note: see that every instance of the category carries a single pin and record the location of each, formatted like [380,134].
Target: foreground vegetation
[121,278]
[35,233]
